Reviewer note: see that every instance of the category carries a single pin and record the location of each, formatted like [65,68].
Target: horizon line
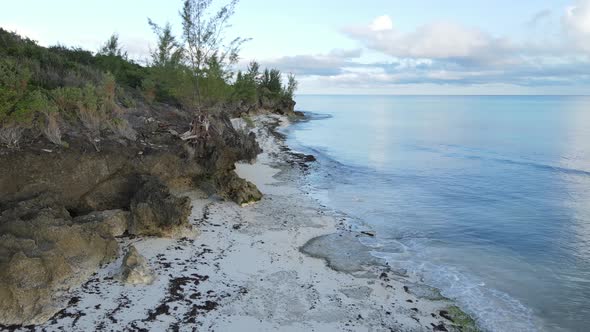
[441,95]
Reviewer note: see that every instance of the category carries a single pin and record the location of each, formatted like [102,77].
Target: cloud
[576,22]
[382,23]
[455,56]
[540,17]
[319,64]
[437,40]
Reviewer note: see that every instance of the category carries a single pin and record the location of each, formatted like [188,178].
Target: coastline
[283,262]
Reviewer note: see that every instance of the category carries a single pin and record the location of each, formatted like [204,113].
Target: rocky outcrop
[108,223]
[43,253]
[232,187]
[282,106]
[135,269]
[105,175]
[156,212]
[61,208]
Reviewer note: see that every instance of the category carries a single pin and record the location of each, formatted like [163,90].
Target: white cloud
[576,21]
[577,17]
[328,64]
[382,23]
[455,56]
[437,40]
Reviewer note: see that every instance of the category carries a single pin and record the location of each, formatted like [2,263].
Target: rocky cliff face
[61,208]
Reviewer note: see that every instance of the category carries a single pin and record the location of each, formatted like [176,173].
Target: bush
[148,87]
[245,89]
[122,128]
[67,100]
[10,135]
[14,81]
[51,129]
[90,112]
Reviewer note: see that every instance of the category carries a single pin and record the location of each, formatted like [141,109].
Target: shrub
[109,86]
[148,87]
[27,110]
[245,89]
[14,81]
[67,100]
[90,112]
[51,129]
[10,135]
[122,128]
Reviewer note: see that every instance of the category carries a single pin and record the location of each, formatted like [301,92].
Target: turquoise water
[486,198]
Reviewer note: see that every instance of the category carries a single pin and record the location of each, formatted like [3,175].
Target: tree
[291,86]
[166,74]
[245,88]
[254,71]
[203,35]
[214,82]
[169,51]
[271,81]
[112,48]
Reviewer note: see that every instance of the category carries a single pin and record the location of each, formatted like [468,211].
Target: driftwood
[199,129]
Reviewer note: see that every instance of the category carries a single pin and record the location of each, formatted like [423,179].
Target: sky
[358,47]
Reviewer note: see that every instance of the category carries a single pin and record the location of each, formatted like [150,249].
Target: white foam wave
[493,310]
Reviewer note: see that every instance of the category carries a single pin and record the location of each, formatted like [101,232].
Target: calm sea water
[486,198]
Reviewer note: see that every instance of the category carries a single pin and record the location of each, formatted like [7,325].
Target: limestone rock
[342,251]
[156,212]
[135,269]
[108,223]
[43,254]
[232,187]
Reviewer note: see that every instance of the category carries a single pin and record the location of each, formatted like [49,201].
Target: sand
[246,270]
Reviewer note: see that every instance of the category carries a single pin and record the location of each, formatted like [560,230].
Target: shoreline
[283,262]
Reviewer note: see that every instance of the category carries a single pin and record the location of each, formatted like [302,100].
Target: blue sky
[363,47]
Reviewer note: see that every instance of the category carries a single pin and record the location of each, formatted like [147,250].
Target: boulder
[135,269]
[156,212]
[43,254]
[107,223]
[231,186]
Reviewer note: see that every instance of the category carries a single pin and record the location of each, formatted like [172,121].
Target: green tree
[166,73]
[203,34]
[245,88]
[271,82]
[254,71]
[214,82]
[292,85]
[169,52]
[112,48]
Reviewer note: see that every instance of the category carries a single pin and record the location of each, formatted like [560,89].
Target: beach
[286,263]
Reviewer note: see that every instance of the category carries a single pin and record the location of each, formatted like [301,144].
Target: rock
[232,187]
[239,124]
[342,251]
[156,212]
[135,269]
[424,292]
[108,223]
[43,254]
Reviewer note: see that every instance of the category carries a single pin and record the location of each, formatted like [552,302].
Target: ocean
[485,197]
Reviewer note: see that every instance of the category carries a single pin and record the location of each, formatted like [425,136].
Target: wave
[536,165]
[493,310]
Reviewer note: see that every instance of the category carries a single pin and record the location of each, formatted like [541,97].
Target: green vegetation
[48,91]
